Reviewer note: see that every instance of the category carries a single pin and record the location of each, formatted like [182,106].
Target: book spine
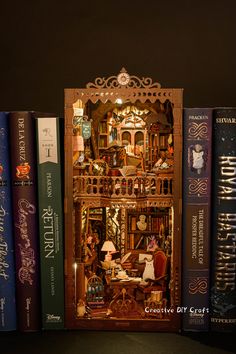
[50,222]
[197,157]
[7,263]
[223,284]
[25,222]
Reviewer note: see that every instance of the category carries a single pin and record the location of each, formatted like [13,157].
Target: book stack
[209,219]
[31,221]
[31,278]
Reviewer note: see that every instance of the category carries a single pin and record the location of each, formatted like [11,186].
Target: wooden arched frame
[103,91]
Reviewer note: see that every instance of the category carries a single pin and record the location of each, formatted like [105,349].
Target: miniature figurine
[141,224]
[81,309]
[152,244]
[149,270]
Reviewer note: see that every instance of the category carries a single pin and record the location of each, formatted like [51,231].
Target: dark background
[47,46]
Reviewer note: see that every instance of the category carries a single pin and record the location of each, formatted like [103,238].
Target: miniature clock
[123,78]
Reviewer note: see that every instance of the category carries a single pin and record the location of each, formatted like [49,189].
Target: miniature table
[123,303]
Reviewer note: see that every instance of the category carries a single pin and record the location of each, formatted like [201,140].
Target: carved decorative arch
[134,89]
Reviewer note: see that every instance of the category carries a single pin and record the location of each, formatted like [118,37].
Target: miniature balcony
[130,189]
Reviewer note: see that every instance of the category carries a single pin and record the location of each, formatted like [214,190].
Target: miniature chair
[160,270]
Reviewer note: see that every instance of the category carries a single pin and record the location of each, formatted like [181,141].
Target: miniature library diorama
[123,150]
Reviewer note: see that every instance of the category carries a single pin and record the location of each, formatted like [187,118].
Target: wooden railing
[123,187]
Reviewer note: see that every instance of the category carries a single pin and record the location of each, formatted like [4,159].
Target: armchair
[160,263]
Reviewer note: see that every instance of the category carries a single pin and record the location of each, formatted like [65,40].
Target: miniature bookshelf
[157,229]
[116,130]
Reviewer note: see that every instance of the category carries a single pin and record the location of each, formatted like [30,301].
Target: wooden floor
[101,342]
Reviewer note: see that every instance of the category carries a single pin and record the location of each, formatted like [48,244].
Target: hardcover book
[223,287]
[50,222]
[196,217]
[7,264]
[25,222]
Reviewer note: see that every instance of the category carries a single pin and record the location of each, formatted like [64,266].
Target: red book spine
[25,220]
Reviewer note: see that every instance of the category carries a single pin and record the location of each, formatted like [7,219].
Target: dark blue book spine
[197,157]
[7,265]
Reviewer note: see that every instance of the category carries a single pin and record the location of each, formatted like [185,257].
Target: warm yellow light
[75,266]
[119,101]
[108,247]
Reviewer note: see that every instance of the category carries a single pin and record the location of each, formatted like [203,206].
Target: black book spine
[223,286]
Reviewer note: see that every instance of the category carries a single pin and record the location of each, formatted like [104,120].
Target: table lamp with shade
[108,247]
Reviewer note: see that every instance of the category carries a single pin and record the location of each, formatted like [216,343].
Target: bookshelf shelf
[156,230]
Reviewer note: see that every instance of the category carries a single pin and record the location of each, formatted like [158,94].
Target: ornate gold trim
[123,80]
[197,186]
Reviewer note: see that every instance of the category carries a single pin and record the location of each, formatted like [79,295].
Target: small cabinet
[103,136]
[160,143]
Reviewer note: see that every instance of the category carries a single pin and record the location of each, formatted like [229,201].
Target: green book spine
[50,222]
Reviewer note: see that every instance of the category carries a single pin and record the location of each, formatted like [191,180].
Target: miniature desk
[123,303]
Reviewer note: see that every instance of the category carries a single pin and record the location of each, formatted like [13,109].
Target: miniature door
[123,148]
